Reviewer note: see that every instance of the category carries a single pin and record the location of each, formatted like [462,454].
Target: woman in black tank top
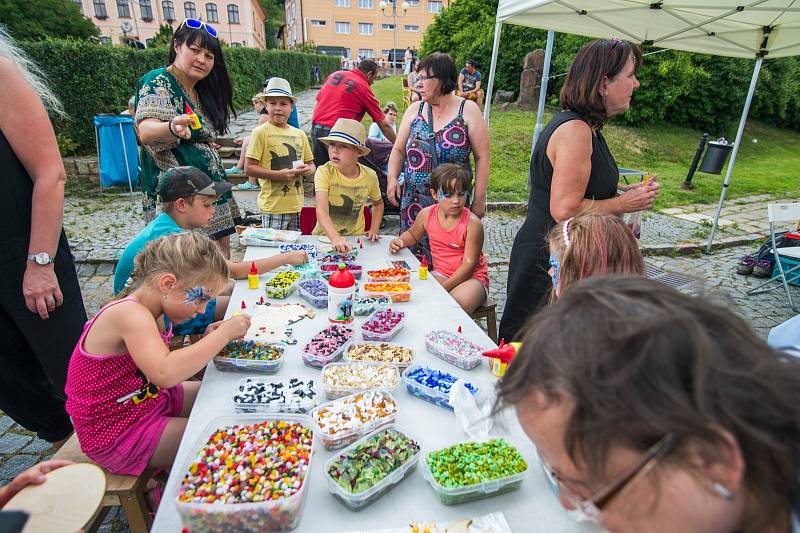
[572,170]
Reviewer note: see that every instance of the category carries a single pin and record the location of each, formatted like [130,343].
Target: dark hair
[471,62]
[447,176]
[215,91]
[443,68]
[641,360]
[368,65]
[596,60]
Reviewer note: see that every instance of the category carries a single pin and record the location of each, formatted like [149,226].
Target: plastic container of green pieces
[275,289]
[477,491]
[359,500]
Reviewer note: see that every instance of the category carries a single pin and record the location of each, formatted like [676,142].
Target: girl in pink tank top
[125,390]
[456,238]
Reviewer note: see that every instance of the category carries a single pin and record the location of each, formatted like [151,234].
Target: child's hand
[303,169]
[395,245]
[298,257]
[211,328]
[236,326]
[288,173]
[373,235]
[340,245]
[238,141]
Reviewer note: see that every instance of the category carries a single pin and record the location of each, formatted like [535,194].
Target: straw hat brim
[263,96]
[363,150]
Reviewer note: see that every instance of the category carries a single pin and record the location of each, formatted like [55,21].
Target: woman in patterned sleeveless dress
[442,128]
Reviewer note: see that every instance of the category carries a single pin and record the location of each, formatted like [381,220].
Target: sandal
[745,266]
[763,268]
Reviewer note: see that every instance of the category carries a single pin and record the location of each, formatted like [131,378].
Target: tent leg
[736,145]
[97,145]
[498,26]
[548,56]
[125,155]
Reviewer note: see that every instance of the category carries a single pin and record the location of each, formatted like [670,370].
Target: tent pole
[498,26]
[125,155]
[548,55]
[736,145]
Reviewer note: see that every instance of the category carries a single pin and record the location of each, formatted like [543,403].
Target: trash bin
[716,155]
[117,153]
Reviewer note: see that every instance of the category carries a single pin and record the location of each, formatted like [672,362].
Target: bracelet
[416,241]
[171,130]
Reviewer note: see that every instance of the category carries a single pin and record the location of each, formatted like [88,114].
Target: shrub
[91,79]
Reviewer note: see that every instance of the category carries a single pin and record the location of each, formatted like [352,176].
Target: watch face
[42,258]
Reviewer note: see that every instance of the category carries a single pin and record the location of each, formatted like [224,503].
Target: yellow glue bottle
[423,269]
[195,125]
[252,277]
[501,356]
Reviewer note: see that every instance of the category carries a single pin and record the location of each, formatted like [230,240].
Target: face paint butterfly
[196,295]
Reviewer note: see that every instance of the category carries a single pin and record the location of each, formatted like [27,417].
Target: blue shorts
[196,325]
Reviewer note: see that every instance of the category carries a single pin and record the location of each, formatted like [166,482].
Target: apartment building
[359,28]
[238,22]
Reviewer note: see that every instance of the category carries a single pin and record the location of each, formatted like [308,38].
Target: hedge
[91,79]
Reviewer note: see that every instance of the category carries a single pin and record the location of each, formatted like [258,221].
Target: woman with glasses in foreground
[665,414]
[180,110]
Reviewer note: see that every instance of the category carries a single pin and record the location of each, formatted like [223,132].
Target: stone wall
[82,168]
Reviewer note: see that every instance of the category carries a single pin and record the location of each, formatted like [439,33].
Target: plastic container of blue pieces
[309,249]
[432,385]
[315,292]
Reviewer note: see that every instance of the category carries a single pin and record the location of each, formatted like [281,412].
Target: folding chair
[406,94]
[789,212]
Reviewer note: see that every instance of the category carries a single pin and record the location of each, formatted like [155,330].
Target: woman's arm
[24,122]
[479,140]
[154,131]
[472,255]
[398,155]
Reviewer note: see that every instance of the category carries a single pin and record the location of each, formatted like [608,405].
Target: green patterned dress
[160,96]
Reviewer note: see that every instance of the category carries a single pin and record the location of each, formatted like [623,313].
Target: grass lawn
[768,166]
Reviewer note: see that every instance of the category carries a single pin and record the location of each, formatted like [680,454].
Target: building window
[342,27]
[233,14]
[386,52]
[189,10]
[365,4]
[169,10]
[411,27]
[341,3]
[211,12]
[79,3]
[434,6]
[413,2]
[388,27]
[100,9]
[146,9]
[319,22]
[105,40]
[365,28]
[365,53]
[236,45]
[123,9]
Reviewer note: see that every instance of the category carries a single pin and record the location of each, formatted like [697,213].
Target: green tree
[34,20]
[164,36]
[274,11]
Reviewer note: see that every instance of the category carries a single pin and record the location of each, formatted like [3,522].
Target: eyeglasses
[593,506]
[197,24]
[425,77]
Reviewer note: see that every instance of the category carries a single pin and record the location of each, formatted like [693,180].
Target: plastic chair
[308,219]
[789,212]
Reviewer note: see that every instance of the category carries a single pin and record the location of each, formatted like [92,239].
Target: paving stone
[15,465]
[105,269]
[11,442]
[37,446]
[5,423]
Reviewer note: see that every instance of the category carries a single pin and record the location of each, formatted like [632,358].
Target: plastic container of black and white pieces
[263,395]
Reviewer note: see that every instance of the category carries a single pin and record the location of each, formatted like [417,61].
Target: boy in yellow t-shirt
[279,155]
[343,186]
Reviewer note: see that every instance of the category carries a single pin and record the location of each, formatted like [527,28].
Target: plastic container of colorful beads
[249,356]
[358,426]
[362,450]
[440,343]
[214,513]
[386,377]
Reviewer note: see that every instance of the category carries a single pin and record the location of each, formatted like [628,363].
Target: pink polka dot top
[107,394]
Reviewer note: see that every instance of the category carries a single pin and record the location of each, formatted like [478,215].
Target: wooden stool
[489,312]
[121,490]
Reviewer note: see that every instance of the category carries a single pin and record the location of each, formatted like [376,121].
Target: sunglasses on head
[197,24]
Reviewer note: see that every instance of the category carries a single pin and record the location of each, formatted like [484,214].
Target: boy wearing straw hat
[279,155]
[343,186]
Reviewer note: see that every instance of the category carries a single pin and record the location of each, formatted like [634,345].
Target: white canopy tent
[757,29]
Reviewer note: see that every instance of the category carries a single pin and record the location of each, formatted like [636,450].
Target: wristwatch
[42,258]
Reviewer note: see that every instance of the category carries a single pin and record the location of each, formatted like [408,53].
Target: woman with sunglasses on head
[572,169]
[664,414]
[180,110]
[441,128]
